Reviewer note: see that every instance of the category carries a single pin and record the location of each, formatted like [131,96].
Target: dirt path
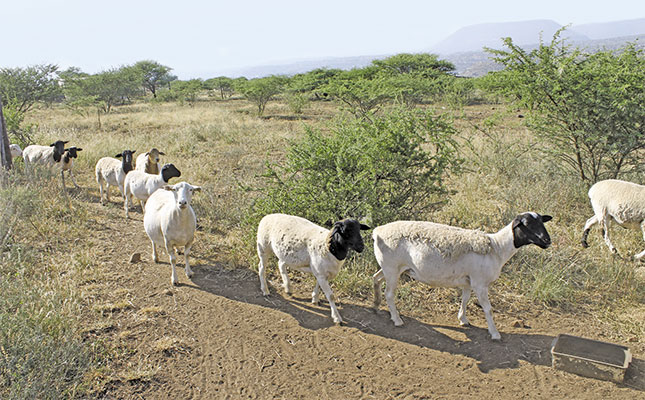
[216,336]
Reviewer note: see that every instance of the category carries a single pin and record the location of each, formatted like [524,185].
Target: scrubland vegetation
[402,139]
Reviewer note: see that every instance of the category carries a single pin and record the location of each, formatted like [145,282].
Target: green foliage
[23,87]
[296,102]
[421,65]
[103,90]
[152,75]
[313,82]
[187,91]
[587,108]
[364,91]
[221,84]
[261,90]
[387,169]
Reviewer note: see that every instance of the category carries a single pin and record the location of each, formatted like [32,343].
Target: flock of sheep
[436,254]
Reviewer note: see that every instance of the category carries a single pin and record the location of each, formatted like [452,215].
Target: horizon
[202,39]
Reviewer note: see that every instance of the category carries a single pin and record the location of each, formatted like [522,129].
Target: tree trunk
[5,152]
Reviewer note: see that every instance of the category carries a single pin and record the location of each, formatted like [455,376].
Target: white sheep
[442,255]
[142,185]
[621,201]
[149,162]
[67,162]
[169,221]
[16,151]
[113,171]
[44,155]
[303,245]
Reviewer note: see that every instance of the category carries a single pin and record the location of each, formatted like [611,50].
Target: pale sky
[200,38]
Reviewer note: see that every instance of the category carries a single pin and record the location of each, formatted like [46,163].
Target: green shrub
[390,168]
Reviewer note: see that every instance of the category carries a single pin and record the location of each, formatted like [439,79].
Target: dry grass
[223,147]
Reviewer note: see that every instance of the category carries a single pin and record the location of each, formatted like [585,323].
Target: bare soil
[216,336]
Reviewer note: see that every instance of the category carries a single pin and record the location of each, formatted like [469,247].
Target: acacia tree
[153,75]
[587,108]
[21,88]
[261,90]
[222,84]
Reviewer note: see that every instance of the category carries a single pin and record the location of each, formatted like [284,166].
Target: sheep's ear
[119,155]
[52,145]
[365,227]
[147,153]
[516,222]
[133,151]
[79,149]
[162,153]
[168,187]
[66,141]
[197,188]
[546,218]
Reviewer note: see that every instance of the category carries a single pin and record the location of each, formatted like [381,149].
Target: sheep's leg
[155,257]
[391,282]
[189,272]
[315,295]
[73,180]
[482,296]
[62,177]
[377,278]
[465,296]
[143,206]
[640,255]
[126,203]
[590,222]
[282,266]
[606,223]
[262,270]
[107,192]
[324,285]
[173,261]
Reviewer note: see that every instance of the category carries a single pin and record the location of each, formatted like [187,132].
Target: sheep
[67,162]
[169,221]
[621,201]
[16,151]
[442,255]
[44,155]
[149,162]
[305,246]
[142,185]
[113,172]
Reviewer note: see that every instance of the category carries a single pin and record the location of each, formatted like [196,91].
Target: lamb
[16,151]
[305,246]
[142,185]
[621,201]
[169,221]
[442,255]
[67,162]
[113,172]
[149,162]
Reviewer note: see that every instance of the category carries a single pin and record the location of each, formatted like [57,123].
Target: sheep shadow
[472,342]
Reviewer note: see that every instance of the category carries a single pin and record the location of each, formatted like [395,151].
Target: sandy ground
[216,337]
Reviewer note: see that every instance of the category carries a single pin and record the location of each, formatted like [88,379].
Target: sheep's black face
[59,149]
[169,171]
[72,152]
[528,228]
[345,235]
[126,162]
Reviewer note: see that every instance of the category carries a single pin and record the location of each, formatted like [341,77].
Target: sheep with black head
[112,172]
[300,244]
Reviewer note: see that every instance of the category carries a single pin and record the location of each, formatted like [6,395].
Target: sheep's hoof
[398,323]
[338,322]
[584,244]
[464,323]
[496,338]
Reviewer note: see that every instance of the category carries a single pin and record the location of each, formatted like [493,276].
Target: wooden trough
[590,358]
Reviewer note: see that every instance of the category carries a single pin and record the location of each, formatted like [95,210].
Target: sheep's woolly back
[625,201]
[449,241]
[293,233]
